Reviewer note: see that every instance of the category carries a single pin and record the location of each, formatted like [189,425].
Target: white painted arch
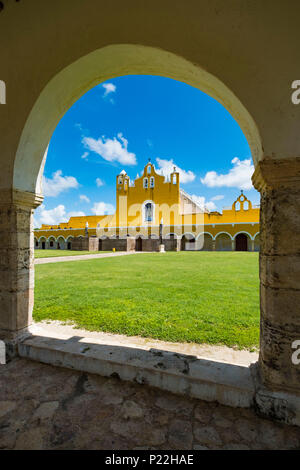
[224,233]
[204,233]
[245,233]
[167,236]
[67,86]
[188,233]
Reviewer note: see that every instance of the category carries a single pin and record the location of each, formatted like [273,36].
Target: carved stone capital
[20,198]
[271,173]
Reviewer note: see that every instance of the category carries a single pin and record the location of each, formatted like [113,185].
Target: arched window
[149,169]
[152,182]
[148,212]
[145,183]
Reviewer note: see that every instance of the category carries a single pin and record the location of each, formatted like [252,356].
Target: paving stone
[7,440]
[31,439]
[180,434]
[247,430]
[207,435]
[271,434]
[130,409]
[46,411]
[236,447]
[90,412]
[6,407]
[203,414]
[170,402]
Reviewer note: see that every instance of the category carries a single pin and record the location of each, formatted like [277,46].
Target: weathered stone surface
[45,411]
[76,417]
[6,407]
[246,430]
[16,273]
[130,409]
[207,435]
[180,434]
[181,406]
[203,413]
[279,273]
[31,439]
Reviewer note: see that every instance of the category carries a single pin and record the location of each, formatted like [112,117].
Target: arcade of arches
[140,208]
[242,56]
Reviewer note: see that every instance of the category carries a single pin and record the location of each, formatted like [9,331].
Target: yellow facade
[151,200]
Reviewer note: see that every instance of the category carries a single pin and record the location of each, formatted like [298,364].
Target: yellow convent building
[152,210]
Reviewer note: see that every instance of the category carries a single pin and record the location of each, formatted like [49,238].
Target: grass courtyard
[202,297]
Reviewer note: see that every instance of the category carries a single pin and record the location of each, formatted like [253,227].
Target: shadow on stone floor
[46,407]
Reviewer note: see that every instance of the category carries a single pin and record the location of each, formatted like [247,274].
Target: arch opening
[98,66]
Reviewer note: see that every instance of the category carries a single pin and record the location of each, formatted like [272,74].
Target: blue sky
[121,123]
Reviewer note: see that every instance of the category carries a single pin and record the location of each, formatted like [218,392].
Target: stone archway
[204,242]
[241,242]
[188,242]
[223,242]
[55,81]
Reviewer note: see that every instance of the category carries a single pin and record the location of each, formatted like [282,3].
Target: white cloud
[219,197]
[211,206]
[75,214]
[112,150]
[239,176]
[99,182]
[109,88]
[85,155]
[84,198]
[165,167]
[53,216]
[57,184]
[200,201]
[102,208]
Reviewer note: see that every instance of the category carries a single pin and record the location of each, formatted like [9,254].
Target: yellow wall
[168,205]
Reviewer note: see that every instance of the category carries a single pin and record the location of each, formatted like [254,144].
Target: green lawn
[202,297]
[55,253]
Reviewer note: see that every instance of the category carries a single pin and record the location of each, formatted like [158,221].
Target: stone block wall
[120,244]
[150,244]
[85,244]
[172,245]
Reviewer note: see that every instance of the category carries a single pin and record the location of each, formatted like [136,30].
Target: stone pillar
[252,245]
[16,264]
[232,245]
[214,245]
[279,184]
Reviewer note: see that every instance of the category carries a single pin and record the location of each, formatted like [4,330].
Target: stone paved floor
[44,407]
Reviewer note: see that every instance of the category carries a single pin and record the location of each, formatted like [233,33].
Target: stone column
[16,264]
[214,245]
[279,184]
[232,245]
[252,245]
